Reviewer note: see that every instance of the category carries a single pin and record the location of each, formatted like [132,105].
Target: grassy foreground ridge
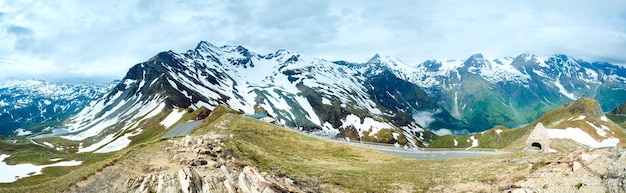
[343,168]
[333,167]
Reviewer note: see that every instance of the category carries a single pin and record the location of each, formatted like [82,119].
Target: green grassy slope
[340,167]
[57,179]
[563,117]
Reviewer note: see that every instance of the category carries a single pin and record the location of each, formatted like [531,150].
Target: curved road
[436,154]
[417,153]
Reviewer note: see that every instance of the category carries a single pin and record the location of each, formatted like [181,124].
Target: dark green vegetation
[618,115]
[619,119]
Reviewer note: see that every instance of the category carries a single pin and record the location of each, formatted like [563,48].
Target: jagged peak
[526,60]
[285,53]
[390,60]
[205,46]
[167,55]
[476,60]
[375,59]
[476,56]
[526,57]
[562,59]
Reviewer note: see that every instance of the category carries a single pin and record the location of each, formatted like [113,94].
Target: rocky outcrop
[620,110]
[592,170]
[209,169]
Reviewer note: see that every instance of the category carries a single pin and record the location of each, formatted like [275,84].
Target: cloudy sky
[75,41]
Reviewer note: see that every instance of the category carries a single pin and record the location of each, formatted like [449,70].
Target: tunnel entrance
[537,145]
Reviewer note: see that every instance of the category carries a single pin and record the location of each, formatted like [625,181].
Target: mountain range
[29,106]
[513,91]
[382,100]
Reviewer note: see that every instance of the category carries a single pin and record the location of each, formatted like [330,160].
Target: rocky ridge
[190,164]
[210,169]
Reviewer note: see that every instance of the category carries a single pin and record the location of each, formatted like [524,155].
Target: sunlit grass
[352,169]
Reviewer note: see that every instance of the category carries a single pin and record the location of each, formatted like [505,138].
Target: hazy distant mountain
[28,106]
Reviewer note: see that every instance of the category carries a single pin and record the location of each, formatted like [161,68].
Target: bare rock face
[208,170]
[185,180]
[593,170]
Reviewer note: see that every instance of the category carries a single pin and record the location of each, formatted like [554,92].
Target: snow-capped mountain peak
[347,99]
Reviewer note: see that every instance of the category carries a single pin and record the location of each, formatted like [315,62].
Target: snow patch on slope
[116,145]
[501,70]
[582,137]
[95,146]
[22,132]
[172,118]
[474,142]
[602,130]
[563,91]
[365,124]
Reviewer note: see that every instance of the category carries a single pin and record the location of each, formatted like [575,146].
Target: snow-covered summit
[298,91]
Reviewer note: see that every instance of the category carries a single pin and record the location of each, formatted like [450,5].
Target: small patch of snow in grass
[10,173]
[474,142]
[599,130]
[604,118]
[577,118]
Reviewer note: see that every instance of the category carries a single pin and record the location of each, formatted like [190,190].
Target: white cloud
[60,40]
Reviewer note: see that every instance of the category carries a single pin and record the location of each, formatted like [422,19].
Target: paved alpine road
[418,154]
[182,129]
[429,154]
